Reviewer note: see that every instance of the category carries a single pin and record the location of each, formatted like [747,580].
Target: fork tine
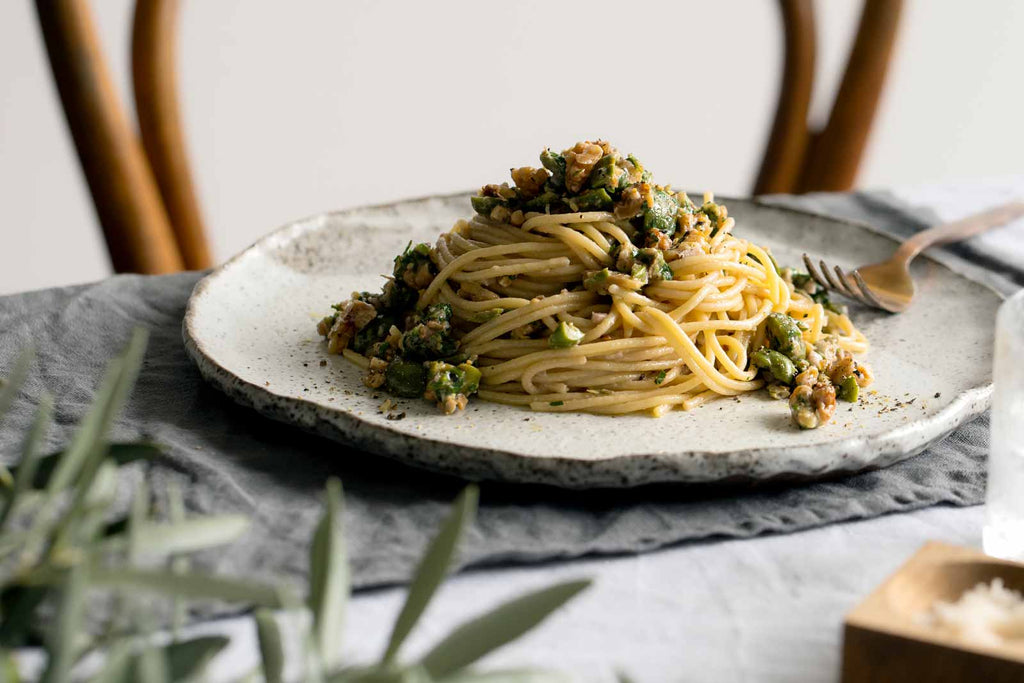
[848,289]
[813,272]
[868,295]
[832,284]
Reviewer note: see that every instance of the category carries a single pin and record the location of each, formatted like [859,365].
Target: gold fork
[888,285]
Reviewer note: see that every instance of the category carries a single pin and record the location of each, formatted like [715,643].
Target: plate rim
[621,471]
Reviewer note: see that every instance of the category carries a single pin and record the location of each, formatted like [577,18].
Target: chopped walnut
[634,171]
[801,409]
[864,375]
[624,261]
[343,325]
[828,348]
[808,377]
[629,203]
[693,222]
[811,407]
[579,162]
[842,368]
[374,377]
[500,214]
[517,218]
[453,403]
[824,399]
[529,180]
[419,278]
[658,240]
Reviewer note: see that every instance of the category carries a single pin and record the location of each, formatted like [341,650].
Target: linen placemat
[229,459]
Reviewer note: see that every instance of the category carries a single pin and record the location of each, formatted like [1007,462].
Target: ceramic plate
[250,327]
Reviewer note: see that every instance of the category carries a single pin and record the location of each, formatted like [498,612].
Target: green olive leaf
[478,637]
[433,568]
[188,659]
[117,667]
[110,399]
[508,676]
[271,647]
[25,473]
[119,453]
[62,645]
[151,666]
[329,578]
[192,585]
[162,539]
[18,605]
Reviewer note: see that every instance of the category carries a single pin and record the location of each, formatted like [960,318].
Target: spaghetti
[647,304]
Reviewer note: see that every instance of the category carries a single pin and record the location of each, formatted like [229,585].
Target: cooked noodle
[697,329]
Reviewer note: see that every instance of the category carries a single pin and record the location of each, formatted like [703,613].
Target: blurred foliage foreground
[64,548]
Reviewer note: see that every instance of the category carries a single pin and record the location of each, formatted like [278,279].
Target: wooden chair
[142,187]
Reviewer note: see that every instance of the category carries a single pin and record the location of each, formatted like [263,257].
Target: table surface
[761,609]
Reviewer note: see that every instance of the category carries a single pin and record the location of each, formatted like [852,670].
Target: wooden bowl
[883,639]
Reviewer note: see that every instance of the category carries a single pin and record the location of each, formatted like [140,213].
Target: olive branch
[63,544]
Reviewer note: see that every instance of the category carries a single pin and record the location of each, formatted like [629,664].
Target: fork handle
[960,230]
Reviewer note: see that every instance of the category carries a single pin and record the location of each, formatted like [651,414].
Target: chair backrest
[142,187]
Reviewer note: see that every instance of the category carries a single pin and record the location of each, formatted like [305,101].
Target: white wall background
[294,108]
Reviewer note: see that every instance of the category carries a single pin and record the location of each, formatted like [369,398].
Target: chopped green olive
[654,259]
[777,365]
[849,390]
[430,337]
[471,378]
[800,279]
[542,201]
[423,343]
[786,337]
[639,273]
[382,350]
[661,213]
[645,175]
[445,380]
[484,205]
[555,163]
[606,173]
[484,316]
[440,313]
[564,336]
[374,331]
[413,267]
[404,378]
[592,200]
[715,215]
[598,281]
[821,297]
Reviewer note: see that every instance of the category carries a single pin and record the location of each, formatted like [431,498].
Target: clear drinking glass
[1004,502]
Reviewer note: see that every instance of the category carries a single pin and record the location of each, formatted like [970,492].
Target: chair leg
[156,102]
[784,155]
[833,160]
[130,210]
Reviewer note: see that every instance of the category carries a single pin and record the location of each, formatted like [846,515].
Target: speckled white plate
[250,326]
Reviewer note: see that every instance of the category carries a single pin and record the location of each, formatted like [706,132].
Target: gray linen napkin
[229,459]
